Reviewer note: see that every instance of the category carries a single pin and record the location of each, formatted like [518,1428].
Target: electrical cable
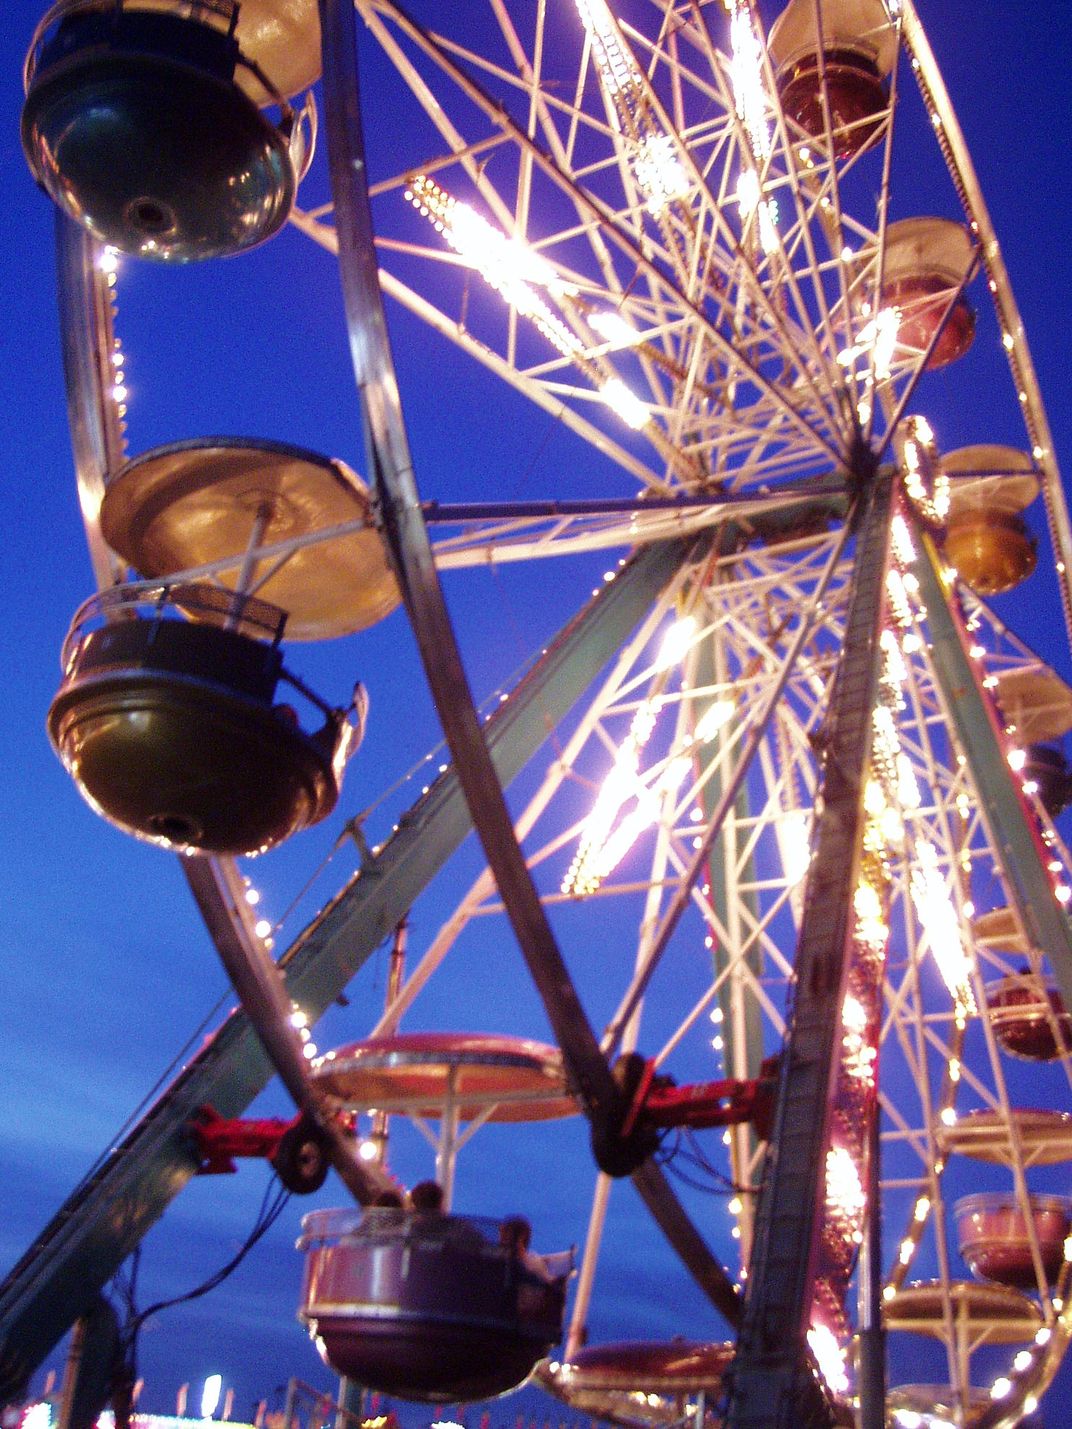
[273,1201]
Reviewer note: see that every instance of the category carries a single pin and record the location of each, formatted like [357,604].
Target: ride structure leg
[773,1383]
[411,555]
[1014,834]
[104,1219]
[93,1362]
[351,1404]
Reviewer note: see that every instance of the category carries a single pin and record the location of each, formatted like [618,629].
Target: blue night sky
[105,970]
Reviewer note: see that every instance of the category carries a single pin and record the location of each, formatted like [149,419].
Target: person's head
[515,1233]
[427,1196]
[389,1199]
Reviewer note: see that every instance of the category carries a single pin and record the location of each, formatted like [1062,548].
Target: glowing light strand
[507,265]
[930,895]
[517,273]
[890,787]
[653,154]
[925,482]
[605,842]
[746,74]
[750,101]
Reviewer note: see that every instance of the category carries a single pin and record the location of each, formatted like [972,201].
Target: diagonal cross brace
[1013,831]
[104,1219]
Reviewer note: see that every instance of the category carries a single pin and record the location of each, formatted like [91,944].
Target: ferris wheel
[804,772]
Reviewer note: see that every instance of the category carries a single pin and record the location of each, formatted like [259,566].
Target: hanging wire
[684,1147]
[274,1200]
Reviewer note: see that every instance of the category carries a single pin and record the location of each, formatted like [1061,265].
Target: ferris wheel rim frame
[599,1095]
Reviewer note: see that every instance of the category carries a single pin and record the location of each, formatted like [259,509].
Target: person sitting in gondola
[385,1216]
[426,1198]
[515,1233]
[426,1201]
[541,1295]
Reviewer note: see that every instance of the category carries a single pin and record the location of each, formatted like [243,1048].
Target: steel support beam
[1013,830]
[61,1275]
[218,888]
[94,1362]
[87,337]
[774,1386]
[391,469]
[407,539]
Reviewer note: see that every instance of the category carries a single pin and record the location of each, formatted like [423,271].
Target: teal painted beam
[59,1278]
[1015,840]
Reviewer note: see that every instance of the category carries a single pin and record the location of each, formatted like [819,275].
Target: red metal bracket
[727,1102]
[219,1139]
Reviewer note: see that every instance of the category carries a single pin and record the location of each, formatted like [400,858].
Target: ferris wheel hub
[621,1139]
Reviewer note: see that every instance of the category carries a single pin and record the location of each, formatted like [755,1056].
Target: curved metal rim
[390,463]
[267,445]
[224,10]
